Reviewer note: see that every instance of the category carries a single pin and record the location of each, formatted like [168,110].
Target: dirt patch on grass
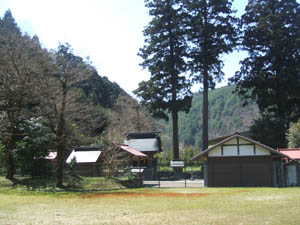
[145,194]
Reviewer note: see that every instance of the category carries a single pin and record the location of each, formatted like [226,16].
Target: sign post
[179,164]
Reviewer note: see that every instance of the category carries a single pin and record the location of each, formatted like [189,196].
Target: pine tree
[271,73]
[164,54]
[212,33]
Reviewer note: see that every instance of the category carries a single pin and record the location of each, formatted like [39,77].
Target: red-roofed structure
[133,151]
[292,153]
[292,166]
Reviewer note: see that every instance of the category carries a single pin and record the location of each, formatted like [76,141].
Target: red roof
[133,151]
[293,153]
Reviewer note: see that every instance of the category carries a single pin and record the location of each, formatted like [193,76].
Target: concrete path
[174,184]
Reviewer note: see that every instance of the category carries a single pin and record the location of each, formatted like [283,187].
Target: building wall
[240,171]
[291,174]
[88,169]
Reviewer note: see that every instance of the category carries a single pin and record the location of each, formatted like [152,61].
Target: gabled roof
[84,156]
[142,135]
[218,139]
[133,151]
[144,145]
[237,135]
[292,153]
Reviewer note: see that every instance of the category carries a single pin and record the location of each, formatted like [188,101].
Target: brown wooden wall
[88,169]
[240,171]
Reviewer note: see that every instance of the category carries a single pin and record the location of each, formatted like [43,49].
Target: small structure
[292,165]
[87,161]
[240,161]
[137,159]
[148,143]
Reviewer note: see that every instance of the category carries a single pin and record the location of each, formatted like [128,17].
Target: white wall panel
[215,152]
[262,151]
[246,150]
[292,175]
[230,150]
[242,141]
[231,142]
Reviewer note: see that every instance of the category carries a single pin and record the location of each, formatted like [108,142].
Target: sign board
[177,163]
[137,170]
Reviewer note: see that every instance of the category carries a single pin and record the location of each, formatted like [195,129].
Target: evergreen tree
[271,72]
[212,33]
[20,57]
[164,54]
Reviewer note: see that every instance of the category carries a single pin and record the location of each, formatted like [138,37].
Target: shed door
[240,171]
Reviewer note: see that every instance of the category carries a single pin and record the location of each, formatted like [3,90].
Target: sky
[109,32]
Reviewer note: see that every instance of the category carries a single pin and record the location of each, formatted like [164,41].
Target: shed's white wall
[262,151]
[246,150]
[230,150]
[292,175]
[231,142]
[242,141]
[215,152]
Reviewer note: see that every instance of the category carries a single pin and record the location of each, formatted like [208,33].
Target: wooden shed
[148,143]
[87,161]
[240,161]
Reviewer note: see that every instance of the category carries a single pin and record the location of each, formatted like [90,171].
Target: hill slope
[226,115]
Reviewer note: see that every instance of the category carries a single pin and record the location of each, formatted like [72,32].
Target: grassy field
[152,206]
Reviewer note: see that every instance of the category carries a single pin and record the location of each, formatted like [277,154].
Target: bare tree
[62,104]
[127,116]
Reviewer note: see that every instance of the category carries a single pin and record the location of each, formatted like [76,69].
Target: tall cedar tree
[164,52]
[271,72]
[212,33]
[20,57]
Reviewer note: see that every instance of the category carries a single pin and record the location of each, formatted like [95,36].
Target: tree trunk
[205,85]
[60,140]
[175,135]
[59,166]
[10,165]
[205,112]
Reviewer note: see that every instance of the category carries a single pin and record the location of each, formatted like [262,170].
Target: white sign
[177,163]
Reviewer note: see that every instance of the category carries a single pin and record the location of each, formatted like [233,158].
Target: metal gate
[175,174]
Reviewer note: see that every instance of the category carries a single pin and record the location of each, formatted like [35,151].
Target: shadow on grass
[71,184]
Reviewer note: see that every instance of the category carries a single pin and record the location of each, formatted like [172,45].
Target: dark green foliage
[32,148]
[100,90]
[270,75]
[212,32]
[226,116]
[269,131]
[164,54]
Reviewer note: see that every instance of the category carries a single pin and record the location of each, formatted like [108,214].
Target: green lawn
[152,206]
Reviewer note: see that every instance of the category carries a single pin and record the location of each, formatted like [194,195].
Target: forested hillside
[226,116]
[55,100]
